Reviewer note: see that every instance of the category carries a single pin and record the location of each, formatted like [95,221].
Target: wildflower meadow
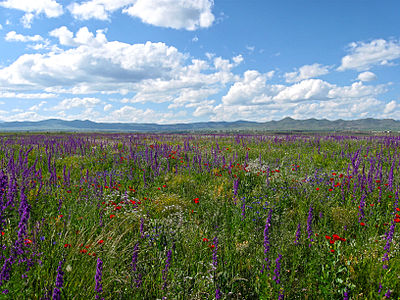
[199,216]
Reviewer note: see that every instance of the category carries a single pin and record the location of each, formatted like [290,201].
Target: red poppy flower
[331,241]
[205,239]
[28,241]
[397,220]
[362,224]
[317,189]
[112,216]
[100,242]
[67,245]
[212,246]
[332,251]
[327,237]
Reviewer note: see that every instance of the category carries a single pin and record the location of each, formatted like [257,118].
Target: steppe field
[218,216]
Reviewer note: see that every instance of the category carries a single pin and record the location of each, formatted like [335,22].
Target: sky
[184,61]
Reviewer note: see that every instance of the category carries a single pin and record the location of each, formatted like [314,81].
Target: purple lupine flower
[59,281]
[24,211]
[6,269]
[99,273]
[243,208]
[139,281]
[309,224]
[141,227]
[380,288]
[214,255]
[389,237]
[277,269]
[298,232]
[346,295]
[281,295]
[388,294]
[135,257]
[165,271]
[266,241]
[361,212]
[217,293]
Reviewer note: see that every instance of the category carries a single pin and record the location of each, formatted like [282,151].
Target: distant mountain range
[286,124]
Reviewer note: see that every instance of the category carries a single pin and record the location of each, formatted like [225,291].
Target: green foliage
[106,209]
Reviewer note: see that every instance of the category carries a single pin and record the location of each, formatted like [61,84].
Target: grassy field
[139,216]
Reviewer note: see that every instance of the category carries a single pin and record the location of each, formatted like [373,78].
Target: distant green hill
[286,124]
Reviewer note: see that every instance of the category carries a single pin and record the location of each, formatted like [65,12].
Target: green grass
[99,222]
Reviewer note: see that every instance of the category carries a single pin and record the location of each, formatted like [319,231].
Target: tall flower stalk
[99,273]
[165,271]
[59,281]
[267,242]
[309,225]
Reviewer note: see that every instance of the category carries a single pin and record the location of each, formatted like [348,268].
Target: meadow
[190,216]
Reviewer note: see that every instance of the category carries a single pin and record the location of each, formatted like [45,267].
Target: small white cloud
[390,107]
[89,10]
[237,59]
[365,55]
[177,14]
[12,36]
[50,8]
[210,56]
[366,76]
[26,95]
[69,103]
[36,107]
[204,110]
[107,107]
[195,39]
[306,72]
[270,74]
[83,37]
[27,20]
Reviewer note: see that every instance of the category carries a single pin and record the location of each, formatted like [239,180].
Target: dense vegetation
[199,217]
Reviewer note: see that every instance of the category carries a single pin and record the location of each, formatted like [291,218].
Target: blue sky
[170,61]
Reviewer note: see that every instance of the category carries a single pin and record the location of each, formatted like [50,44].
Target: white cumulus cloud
[306,72]
[32,8]
[390,107]
[27,95]
[366,76]
[97,9]
[69,103]
[177,14]
[12,36]
[365,55]
[82,37]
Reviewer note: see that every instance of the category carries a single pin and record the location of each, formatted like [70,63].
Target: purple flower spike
[99,273]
